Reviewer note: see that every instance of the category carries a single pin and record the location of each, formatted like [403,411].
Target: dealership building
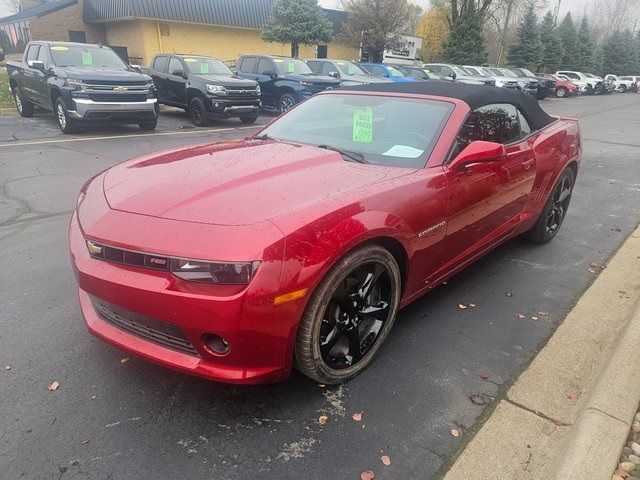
[140,29]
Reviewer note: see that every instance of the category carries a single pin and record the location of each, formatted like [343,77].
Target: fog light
[95,249]
[215,343]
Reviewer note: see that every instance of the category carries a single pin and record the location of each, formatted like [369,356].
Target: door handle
[527,164]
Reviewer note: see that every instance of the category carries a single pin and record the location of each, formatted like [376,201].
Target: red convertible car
[236,261]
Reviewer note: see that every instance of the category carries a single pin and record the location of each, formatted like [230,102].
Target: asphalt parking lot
[134,420]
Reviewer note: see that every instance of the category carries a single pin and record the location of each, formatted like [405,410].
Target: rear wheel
[561,92]
[24,106]
[248,120]
[623,88]
[349,316]
[62,116]
[198,112]
[554,211]
[148,124]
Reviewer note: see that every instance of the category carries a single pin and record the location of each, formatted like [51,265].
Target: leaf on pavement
[558,423]
[357,416]
[521,315]
[477,399]
[572,396]
[7,367]
[385,460]
[454,432]
[323,419]
[367,475]
[484,376]
[124,360]
[462,306]
[509,294]
[593,264]
[472,305]
[84,442]
[54,386]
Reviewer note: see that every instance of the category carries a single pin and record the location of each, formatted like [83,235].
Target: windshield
[394,72]
[459,70]
[473,71]
[392,131]
[206,66]
[590,75]
[292,65]
[495,71]
[349,68]
[522,72]
[86,56]
[508,73]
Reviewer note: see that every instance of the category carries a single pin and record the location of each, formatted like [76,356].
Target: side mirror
[479,151]
[135,68]
[269,73]
[37,65]
[334,74]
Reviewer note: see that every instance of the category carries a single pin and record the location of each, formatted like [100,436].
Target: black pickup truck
[204,87]
[81,83]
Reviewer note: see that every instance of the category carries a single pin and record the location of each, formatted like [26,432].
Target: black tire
[623,88]
[248,120]
[561,92]
[24,107]
[364,319]
[285,102]
[554,211]
[61,113]
[148,124]
[198,112]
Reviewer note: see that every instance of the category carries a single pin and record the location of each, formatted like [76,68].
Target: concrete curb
[568,414]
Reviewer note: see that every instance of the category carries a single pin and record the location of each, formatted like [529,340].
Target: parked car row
[84,83]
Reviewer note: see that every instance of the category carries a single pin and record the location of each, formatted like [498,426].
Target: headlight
[232,273]
[76,84]
[499,83]
[258,91]
[216,89]
[306,84]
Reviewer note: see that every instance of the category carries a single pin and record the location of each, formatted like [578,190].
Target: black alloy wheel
[198,112]
[349,316]
[286,102]
[555,210]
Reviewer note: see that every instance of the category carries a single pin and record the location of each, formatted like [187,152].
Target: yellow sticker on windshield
[363,124]
[86,58]
[58,48]
[204,67]
[278,60]
[190,60]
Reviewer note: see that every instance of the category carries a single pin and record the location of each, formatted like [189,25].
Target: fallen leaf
[7,367]
[357,416]
[558,423]
[534,318]
[462,306]
[124,360]
[323,419]
[367,475]
[472,305]
[322,385]
[385,460]
[591,270]
[572,396]
[593,264]
[93,397]
[477,399]
[509,294]
[484,376]
[54,385]
[84,442]
[454,432]
[521,316]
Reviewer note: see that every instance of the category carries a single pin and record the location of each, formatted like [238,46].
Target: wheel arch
[54,94]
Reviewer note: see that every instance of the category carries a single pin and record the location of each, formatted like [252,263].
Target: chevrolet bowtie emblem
[120,89]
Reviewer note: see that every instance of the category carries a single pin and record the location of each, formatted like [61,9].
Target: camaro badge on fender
[432,228]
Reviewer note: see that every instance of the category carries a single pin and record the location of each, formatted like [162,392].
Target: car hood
[311,78]
[106,74]
[235,183]
[228,80]
[365,79]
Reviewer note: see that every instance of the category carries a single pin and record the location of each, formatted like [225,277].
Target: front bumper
[87,109]
[260,334]
[221,107]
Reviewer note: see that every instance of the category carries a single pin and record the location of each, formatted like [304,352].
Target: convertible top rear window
[383,130]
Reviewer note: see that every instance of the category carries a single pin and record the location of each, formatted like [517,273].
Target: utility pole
[503,42]
[557,11]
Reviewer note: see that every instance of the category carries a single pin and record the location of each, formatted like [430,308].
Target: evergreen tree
[570,44]
[296,22]
[587,47]
[615,55]
[465,44]
[598,59]
[527,51]
[551,44]
[629,60]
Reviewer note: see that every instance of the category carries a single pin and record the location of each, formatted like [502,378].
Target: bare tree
[14,6]
[610,16]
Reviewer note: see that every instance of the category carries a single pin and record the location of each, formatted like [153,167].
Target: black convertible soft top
[473,95]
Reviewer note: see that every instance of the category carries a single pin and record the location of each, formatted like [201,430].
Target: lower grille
[157,331]
[118,97]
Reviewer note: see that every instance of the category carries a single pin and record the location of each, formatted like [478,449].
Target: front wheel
[286,102]
[249,120]
[623,88]
[148,125]
[349,316]
[554,211]
[198,112]
[62,116]
[561,92]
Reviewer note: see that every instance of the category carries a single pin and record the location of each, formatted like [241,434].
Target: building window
[78,37]
[321,51]
[164,29]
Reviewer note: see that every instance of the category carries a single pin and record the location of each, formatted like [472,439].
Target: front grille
[117,97]
[242,93]
[135,259]
[156,331]
[116,83]
[490,83]
[533,84]
[511,85]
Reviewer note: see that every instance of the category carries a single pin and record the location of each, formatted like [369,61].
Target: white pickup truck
[593,84]
[620,83]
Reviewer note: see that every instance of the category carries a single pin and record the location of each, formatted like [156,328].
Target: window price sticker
[363,124]
[86,58]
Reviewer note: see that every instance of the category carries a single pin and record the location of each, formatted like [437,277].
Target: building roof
[473,95]
[230,13]
[38,11]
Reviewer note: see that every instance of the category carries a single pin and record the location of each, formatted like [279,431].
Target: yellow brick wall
[56,26]
[143,40]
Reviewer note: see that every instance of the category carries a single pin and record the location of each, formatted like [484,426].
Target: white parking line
[114,137]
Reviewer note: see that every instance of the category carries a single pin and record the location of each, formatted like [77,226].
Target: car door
[159,72]
[176,82]
[378,71]
[486,198]
[266,71]
[41,90]
[29,87]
